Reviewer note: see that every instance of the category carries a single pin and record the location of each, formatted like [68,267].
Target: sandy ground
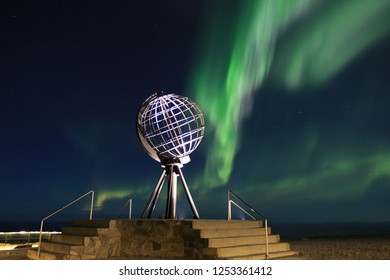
[324,248]
[342,248]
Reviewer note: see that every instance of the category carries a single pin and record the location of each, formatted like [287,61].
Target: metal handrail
[59,210]
[130,203]
[230,202]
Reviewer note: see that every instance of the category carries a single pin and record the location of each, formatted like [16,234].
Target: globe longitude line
[163,121]
[153,106]
[150,118]
[172,128]
[149,110]
[180,112]
[188,109]
[192,120]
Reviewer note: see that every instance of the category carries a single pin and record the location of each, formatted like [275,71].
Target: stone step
[84,231]
[55,247]
[91,223]
[32,254]
[225,224]
[244,240]
[284,254]
[68,239]
[220,233]
[275,255]
[247,250]
[61,248]
[81,257]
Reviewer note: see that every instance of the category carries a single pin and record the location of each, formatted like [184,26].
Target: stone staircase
[241,240]
[84,240]
[190,239]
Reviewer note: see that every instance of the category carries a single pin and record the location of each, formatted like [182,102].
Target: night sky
[295,96]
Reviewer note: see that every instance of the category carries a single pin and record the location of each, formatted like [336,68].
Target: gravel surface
[343,248]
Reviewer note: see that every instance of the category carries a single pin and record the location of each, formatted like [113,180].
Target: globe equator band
[182,144]
[180,122]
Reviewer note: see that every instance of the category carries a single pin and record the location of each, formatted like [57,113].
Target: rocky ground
[343,248]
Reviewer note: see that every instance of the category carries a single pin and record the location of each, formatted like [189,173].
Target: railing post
[266,238]
[91,210]
[130,207]
[229,210]
[229,206]
[40,239]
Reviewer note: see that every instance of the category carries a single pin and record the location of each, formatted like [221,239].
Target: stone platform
[162,239]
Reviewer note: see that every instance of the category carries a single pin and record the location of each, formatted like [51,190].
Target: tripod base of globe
[171,171]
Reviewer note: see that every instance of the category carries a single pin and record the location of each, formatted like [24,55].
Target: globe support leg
[154,196]
[172,193]
[189,197]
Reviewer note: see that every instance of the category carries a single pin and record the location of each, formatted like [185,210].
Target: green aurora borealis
[295,48]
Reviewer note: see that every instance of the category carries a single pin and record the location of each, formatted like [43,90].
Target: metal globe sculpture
[169,127]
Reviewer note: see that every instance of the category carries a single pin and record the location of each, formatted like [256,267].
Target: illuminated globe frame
[169,128]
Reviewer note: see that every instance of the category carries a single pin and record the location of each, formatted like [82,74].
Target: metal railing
[231,194]
[59,210]
[130,203]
